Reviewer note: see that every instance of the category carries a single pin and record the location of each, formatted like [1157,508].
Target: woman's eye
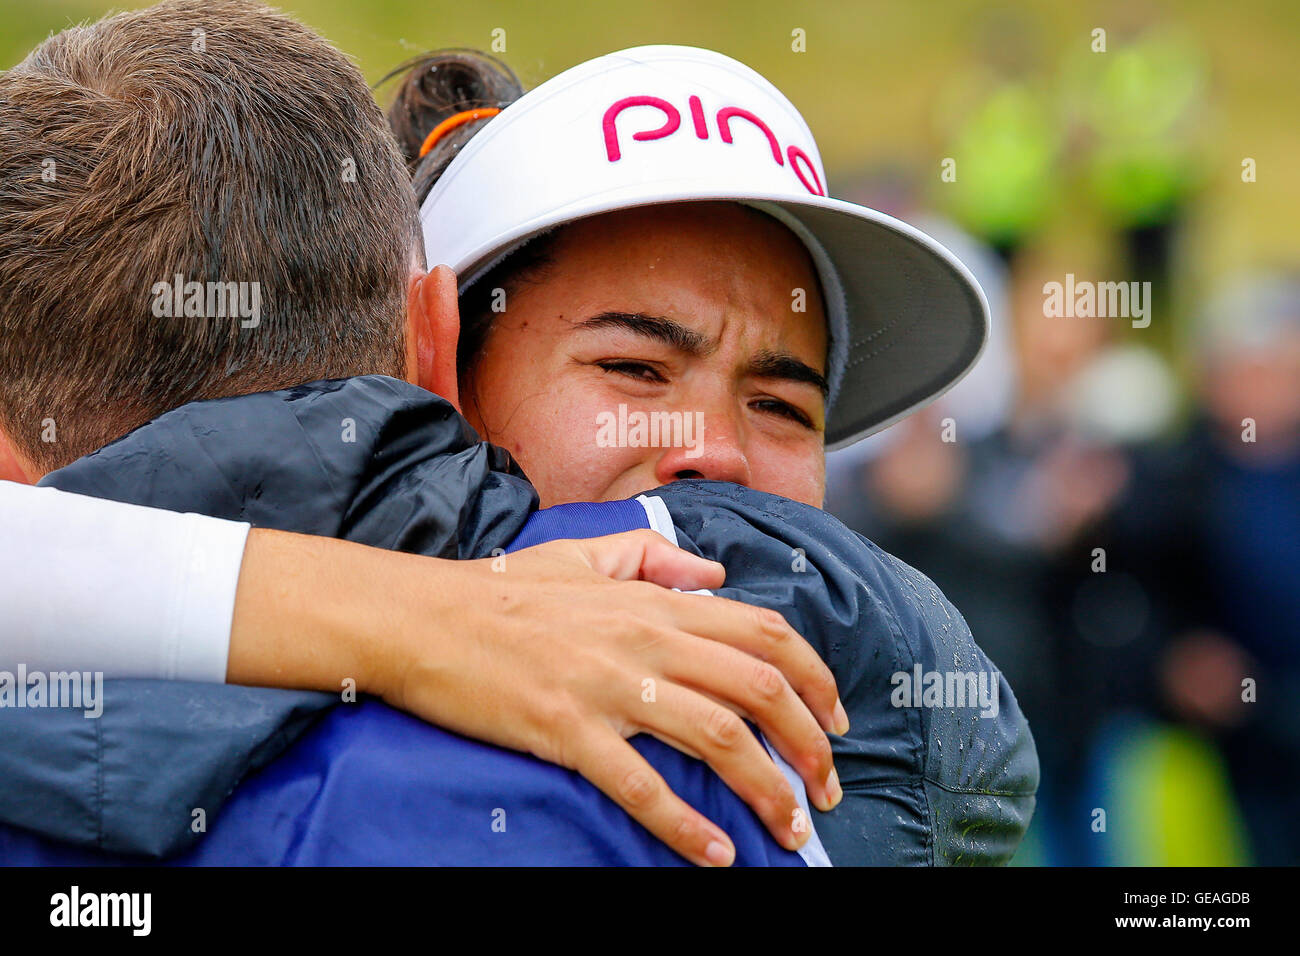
[784,409]
[637,370]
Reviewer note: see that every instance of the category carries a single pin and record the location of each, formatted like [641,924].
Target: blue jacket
[923,784]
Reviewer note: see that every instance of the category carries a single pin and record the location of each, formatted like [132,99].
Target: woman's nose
[712,447]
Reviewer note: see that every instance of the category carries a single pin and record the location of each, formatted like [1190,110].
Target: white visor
[663,124]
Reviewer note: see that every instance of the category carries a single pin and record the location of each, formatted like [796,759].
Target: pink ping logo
[673,121]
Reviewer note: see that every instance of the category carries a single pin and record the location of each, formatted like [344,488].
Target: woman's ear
[433,332]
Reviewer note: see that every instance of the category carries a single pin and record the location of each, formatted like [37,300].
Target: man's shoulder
[762,537]
[371,459]
[244,431]
[934,722]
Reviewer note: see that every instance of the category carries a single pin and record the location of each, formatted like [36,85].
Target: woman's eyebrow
[766,364]
[783,365]
[656,327]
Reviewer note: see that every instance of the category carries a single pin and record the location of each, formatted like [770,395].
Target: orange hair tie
[451,123]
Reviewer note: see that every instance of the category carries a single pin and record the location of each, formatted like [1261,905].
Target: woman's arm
[548,651]
[131,592]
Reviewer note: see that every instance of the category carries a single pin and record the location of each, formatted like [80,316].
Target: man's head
[211,140]
[658,343]
[1248,362]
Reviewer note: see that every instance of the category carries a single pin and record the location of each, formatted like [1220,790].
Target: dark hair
[439,85]
[217,140]
[435,87]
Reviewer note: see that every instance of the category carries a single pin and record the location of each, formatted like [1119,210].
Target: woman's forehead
[704,265]
[725,224]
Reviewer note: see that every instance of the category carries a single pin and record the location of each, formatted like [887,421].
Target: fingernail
[833,790]
[841,719]
[798,837]
[718,854]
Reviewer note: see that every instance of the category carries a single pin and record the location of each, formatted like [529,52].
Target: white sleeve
[94,585]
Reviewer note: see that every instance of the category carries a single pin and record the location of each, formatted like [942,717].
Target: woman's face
[666,342]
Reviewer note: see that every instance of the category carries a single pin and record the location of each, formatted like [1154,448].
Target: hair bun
[439,85]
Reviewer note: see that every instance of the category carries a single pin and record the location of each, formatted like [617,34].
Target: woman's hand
[562,650]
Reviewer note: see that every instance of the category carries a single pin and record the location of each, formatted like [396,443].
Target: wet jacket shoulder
[148,774]
[368,459]
[928,778]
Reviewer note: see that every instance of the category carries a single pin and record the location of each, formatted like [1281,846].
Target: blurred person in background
[1211,528]
[1003,489]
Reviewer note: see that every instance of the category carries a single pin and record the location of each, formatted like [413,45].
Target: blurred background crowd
[1114,509]
[1113,505]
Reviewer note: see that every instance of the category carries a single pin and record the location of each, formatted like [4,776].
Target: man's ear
[433,332]
[13,466]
